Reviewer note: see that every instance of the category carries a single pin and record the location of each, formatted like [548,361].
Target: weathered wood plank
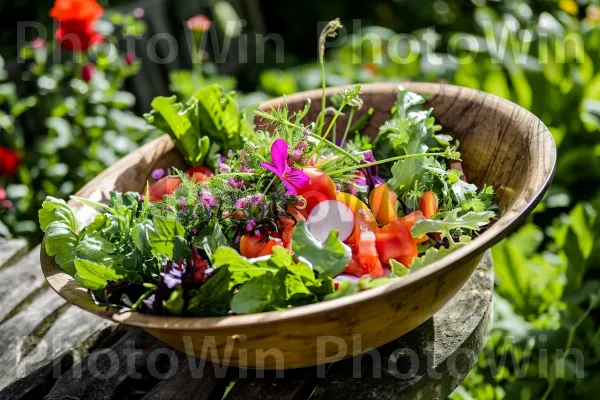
[19,281]
[292,384]
[188,383]
[429,362]
[14,342]
[11,250]
[121,368]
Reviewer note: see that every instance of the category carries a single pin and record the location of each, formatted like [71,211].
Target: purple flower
[230,153]
[301,146]
[158,173]
[208,200]
[292,178]
[224,168]
[307,132]
[246,169]
[241,203]
[255,199]
[250,225]
[234,183]
[243,153]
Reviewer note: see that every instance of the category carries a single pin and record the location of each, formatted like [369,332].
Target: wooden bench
[50,349]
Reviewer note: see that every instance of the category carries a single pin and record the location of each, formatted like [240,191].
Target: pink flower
[2,194]
[198,23]
[38,43]
[138,13]
[224,168]
[292,178]
[241,203]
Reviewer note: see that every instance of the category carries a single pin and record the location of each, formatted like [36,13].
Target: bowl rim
[507,222]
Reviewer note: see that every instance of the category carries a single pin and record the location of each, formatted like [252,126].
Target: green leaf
[398,269]
[329,258]
[471,220]
[214,297]
[175,303]
[94,275]
[61,242]
[162,237]
[54,209]
[345,288]
[263,293]
[210,238]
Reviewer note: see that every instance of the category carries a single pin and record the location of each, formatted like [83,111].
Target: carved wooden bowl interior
[502,144]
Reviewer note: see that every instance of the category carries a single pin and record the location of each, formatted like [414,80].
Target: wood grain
[502,145]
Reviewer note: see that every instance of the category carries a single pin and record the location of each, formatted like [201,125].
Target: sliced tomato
[163,186]
[367,254]
[382,200]
[200,174]
[394,241]
[320,188]
[429,204]
[409,222]
[355,268]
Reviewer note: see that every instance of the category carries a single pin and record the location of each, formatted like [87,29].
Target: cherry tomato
[394,241]
[320,188]
[367,254]
[200,174]
[429,204]
[163,186]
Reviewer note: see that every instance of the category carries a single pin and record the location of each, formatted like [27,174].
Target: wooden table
[52,350]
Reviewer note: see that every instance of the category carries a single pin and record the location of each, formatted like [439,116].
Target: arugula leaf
[163,236]
[329,258]
[214,297]
[471,220]
[61,242]
[54,209]
[94,275]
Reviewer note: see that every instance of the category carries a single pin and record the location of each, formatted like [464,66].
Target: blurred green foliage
[68,116]
[545,56]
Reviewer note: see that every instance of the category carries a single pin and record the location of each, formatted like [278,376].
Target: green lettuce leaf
[61,243]
[329,258]
[94,275]
[54,209]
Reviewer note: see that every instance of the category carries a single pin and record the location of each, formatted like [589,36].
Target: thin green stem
[372,164]
[331,125]
[270,184]
[348,126]
[231,174]
[323,98]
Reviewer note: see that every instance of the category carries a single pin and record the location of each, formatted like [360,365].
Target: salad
[273,216]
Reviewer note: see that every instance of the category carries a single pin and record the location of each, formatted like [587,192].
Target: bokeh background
[64,117]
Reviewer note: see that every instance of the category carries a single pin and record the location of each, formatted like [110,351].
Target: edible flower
[292,178]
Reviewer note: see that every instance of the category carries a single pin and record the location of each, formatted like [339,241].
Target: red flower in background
[76,20]
[87,72]
[9,161]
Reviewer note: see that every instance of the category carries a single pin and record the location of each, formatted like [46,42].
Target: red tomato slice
[409,222]
[268,249]
[320,188]
[367,254]
[394,241]
[162,187]
[429,204]
[355,268]
[382,200]
[200,174]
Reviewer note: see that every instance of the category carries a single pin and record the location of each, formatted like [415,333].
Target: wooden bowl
[502,144]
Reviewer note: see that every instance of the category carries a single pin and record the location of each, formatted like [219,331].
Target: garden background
[65,116]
